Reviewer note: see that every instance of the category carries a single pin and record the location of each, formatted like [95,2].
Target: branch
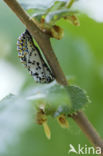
[43,41]
[88,130]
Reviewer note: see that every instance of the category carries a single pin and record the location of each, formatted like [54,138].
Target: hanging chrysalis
[31,57]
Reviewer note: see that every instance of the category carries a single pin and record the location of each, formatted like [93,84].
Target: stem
[43,40]
[88,130]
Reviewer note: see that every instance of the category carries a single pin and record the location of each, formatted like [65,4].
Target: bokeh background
[80,54]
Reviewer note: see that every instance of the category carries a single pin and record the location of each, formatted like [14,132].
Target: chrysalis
[31,57]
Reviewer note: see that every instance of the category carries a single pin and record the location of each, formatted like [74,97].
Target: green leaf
[78,97]
[57,99]
[17,112]
[54,16]
[28,4]
[8,99]
[14,118]
[51,11]
[70,102]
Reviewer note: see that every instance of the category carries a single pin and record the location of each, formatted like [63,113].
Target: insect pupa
[32,59]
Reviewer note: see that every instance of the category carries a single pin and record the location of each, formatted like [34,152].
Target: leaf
[14,118]
[8,99]
[51,11]
[30,4]
[56,99]
[52,17]
[53,98]
[78,97]
[76,101]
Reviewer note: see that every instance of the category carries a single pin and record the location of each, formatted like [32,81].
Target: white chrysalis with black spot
[30,56]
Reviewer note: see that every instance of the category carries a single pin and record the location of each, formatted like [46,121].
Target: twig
[88,130]
[43,40]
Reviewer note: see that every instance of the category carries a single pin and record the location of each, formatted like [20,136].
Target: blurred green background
[80,54]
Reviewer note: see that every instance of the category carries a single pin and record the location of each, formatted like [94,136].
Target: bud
[47,130]
[72,19]
[57,32]
[63,121]
[41,119]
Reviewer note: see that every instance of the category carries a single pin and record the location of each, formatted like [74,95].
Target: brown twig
[88,130]
[41,38]
[43,41]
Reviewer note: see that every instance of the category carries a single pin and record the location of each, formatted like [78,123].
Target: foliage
[48,16]
[48,100]
[80,55]
[56,11]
